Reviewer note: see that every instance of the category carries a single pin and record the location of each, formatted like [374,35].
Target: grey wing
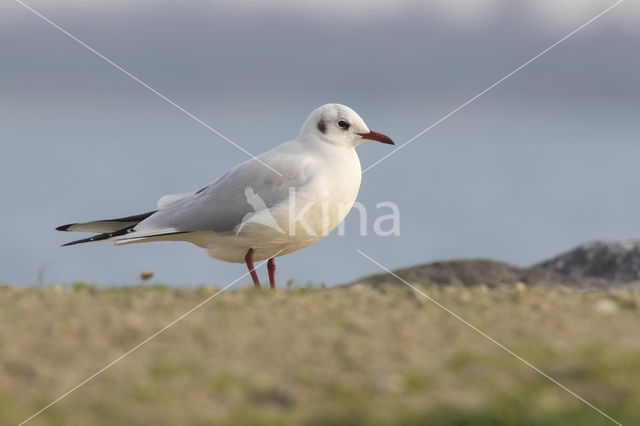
[223,205]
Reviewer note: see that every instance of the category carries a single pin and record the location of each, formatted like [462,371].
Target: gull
[252,213]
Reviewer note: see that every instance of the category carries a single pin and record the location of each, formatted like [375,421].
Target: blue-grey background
[546,160]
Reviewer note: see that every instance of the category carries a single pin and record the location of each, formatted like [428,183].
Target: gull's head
[338,125]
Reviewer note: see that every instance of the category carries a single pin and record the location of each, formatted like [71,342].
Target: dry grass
[338,356]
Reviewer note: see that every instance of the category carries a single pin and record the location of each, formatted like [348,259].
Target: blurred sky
[546,160]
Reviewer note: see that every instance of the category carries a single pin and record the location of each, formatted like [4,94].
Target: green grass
[311,356]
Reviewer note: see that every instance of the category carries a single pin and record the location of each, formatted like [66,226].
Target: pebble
[605,307]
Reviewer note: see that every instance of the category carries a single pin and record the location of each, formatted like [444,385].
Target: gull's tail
[109,228]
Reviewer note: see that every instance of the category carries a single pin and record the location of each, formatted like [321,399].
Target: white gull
[251,212]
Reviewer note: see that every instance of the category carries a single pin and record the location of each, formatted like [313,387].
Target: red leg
[271,266]
[249,260]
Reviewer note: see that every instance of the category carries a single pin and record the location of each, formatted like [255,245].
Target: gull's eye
[343,124]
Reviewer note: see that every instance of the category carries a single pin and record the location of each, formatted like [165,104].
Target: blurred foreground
[350,355]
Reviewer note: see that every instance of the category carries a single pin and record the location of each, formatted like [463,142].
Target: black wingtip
[84,240]
[88,240]
[101,237]
[64,227]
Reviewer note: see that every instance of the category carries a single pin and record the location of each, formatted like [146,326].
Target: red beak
[375,136]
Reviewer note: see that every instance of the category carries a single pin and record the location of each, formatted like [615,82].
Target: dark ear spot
[322,126]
